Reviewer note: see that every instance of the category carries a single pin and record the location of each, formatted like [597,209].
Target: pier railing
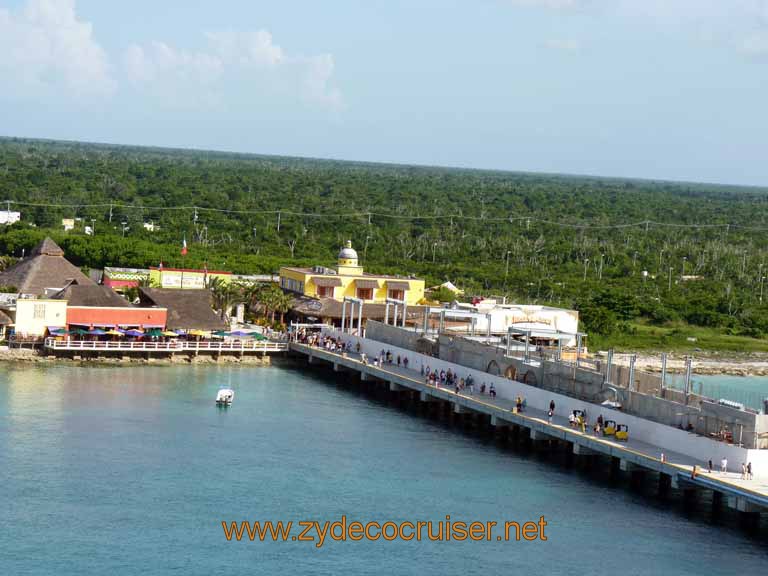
[169,346]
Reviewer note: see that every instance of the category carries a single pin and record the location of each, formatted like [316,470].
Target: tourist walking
[743,470]
[552,406]
[492,391]
[749,471]
[549,415]
[724,465]
[709,466]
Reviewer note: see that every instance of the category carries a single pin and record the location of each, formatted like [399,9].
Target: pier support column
[539,440]
[717,503]
[338,367]
[585,456]
[615,471]
[394,387]
[665,485]
[690,497]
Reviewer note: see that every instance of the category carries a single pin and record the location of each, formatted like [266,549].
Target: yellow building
[349,279]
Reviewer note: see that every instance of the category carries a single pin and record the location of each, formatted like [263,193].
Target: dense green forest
[621,251]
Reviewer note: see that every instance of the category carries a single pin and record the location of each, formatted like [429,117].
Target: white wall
[35,315]
[665,437]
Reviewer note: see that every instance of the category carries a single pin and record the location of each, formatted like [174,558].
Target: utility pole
[586,263]
[762,281]
[685,258]
[434,246]
[506,272]
[110,212]
[670,279]
[600,270]
[278,221]
[661,253]
[365,250]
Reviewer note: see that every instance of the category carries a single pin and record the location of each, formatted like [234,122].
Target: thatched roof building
[187,309]
[329,309]
[44,269]
[101,296]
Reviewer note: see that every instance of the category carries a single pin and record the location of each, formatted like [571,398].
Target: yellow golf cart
[622,432]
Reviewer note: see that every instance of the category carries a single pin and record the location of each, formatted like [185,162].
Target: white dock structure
[169,347]
[652,447]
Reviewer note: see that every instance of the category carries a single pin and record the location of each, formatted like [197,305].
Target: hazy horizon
[630,89]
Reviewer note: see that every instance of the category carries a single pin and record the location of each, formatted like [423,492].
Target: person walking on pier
[743,471]
[552,406]
[709,466]
[492,391]
[724,465]
[550,413]
[749,471]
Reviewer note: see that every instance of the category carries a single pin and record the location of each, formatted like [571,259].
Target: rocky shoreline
[703,365]
[35,357]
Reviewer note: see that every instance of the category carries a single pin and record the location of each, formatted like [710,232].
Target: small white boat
[225,396]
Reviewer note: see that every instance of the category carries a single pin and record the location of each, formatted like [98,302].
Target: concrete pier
[636,458]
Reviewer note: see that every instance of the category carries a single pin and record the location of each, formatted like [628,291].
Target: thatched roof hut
[187,309]
[97,296]
[45,268]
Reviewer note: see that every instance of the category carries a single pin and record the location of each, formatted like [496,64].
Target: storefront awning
[326,282]
[395,285]
[367,283]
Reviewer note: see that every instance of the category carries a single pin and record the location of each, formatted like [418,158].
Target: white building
[8,217]
[542,322]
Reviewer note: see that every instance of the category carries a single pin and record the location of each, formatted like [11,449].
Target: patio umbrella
[134,333]
[154,332]
[96,332]
[220,334]
[113,332]
[258,336]
[202,333]
[170,334]
[59,332]
[78,331]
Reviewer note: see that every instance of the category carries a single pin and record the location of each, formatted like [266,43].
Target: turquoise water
[130,470]
[749,390]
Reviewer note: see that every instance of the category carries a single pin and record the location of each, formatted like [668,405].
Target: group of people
[746,468]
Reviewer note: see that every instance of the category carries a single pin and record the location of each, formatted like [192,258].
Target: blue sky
[673,89]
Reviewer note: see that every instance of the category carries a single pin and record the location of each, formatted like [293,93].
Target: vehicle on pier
[610,428]
[225,396]
[622,432]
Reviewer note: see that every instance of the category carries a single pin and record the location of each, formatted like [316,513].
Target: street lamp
[124,224]
[93,226]
[762,280]
[685,258]
[506,272]
[365,250]
[434,247]
[670,279]
[586,263]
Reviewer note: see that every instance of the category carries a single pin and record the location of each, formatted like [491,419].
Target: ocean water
[749,390]
[130,470]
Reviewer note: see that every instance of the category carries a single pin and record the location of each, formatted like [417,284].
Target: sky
[659,89]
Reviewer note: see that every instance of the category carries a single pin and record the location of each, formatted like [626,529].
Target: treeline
[549,239]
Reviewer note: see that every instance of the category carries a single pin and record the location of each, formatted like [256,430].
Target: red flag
[184,247]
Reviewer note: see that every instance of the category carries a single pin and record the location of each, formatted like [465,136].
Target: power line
[370,214]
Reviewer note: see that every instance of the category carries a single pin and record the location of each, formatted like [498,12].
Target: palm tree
[282,305]
[225,294]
